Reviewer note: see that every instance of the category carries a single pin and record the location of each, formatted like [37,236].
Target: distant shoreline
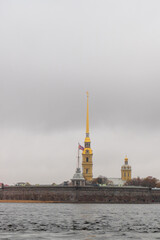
[33,201]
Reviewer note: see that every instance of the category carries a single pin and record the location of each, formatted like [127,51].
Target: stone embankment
[87,194]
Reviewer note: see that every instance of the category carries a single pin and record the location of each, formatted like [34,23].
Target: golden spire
[126,160]
[87,152]
[87,120]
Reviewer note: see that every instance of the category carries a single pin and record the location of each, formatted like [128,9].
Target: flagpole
[78,155]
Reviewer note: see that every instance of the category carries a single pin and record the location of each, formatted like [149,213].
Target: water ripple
[79,221]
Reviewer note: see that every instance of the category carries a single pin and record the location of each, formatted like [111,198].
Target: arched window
[87,170]
[86,159]
[87,145]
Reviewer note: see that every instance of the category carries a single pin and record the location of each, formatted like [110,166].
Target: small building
[1,185]
[116,182]
[22,184]
[126,170]
[78,179]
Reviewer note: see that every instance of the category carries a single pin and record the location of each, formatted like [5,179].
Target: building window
[87,170]
[86,159]
[87,145]
[124,174]
[128,174]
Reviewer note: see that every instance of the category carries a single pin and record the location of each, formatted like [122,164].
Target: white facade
[116,182]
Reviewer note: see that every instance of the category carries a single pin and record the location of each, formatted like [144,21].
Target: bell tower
[87,152]
[126,170]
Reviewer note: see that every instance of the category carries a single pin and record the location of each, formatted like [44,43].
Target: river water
[79,221]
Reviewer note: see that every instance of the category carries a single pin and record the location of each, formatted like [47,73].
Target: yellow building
[87,152]
[126,170]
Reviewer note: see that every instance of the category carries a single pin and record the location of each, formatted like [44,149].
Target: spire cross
[87,94]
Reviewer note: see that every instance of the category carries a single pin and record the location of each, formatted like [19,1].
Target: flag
[81,148]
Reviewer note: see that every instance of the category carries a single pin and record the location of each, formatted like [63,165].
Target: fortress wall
[81,194]
[38,193]
[114,195]
[155,195]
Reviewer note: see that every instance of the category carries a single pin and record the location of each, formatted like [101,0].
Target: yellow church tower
[87,152]
[126,170]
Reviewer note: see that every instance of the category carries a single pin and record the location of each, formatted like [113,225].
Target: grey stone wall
[81,194]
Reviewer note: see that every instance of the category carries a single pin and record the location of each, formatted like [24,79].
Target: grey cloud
[52,52]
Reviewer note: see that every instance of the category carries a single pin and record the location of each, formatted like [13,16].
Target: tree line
[149,181]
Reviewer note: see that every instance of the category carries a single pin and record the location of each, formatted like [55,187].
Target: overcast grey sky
[51,53]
